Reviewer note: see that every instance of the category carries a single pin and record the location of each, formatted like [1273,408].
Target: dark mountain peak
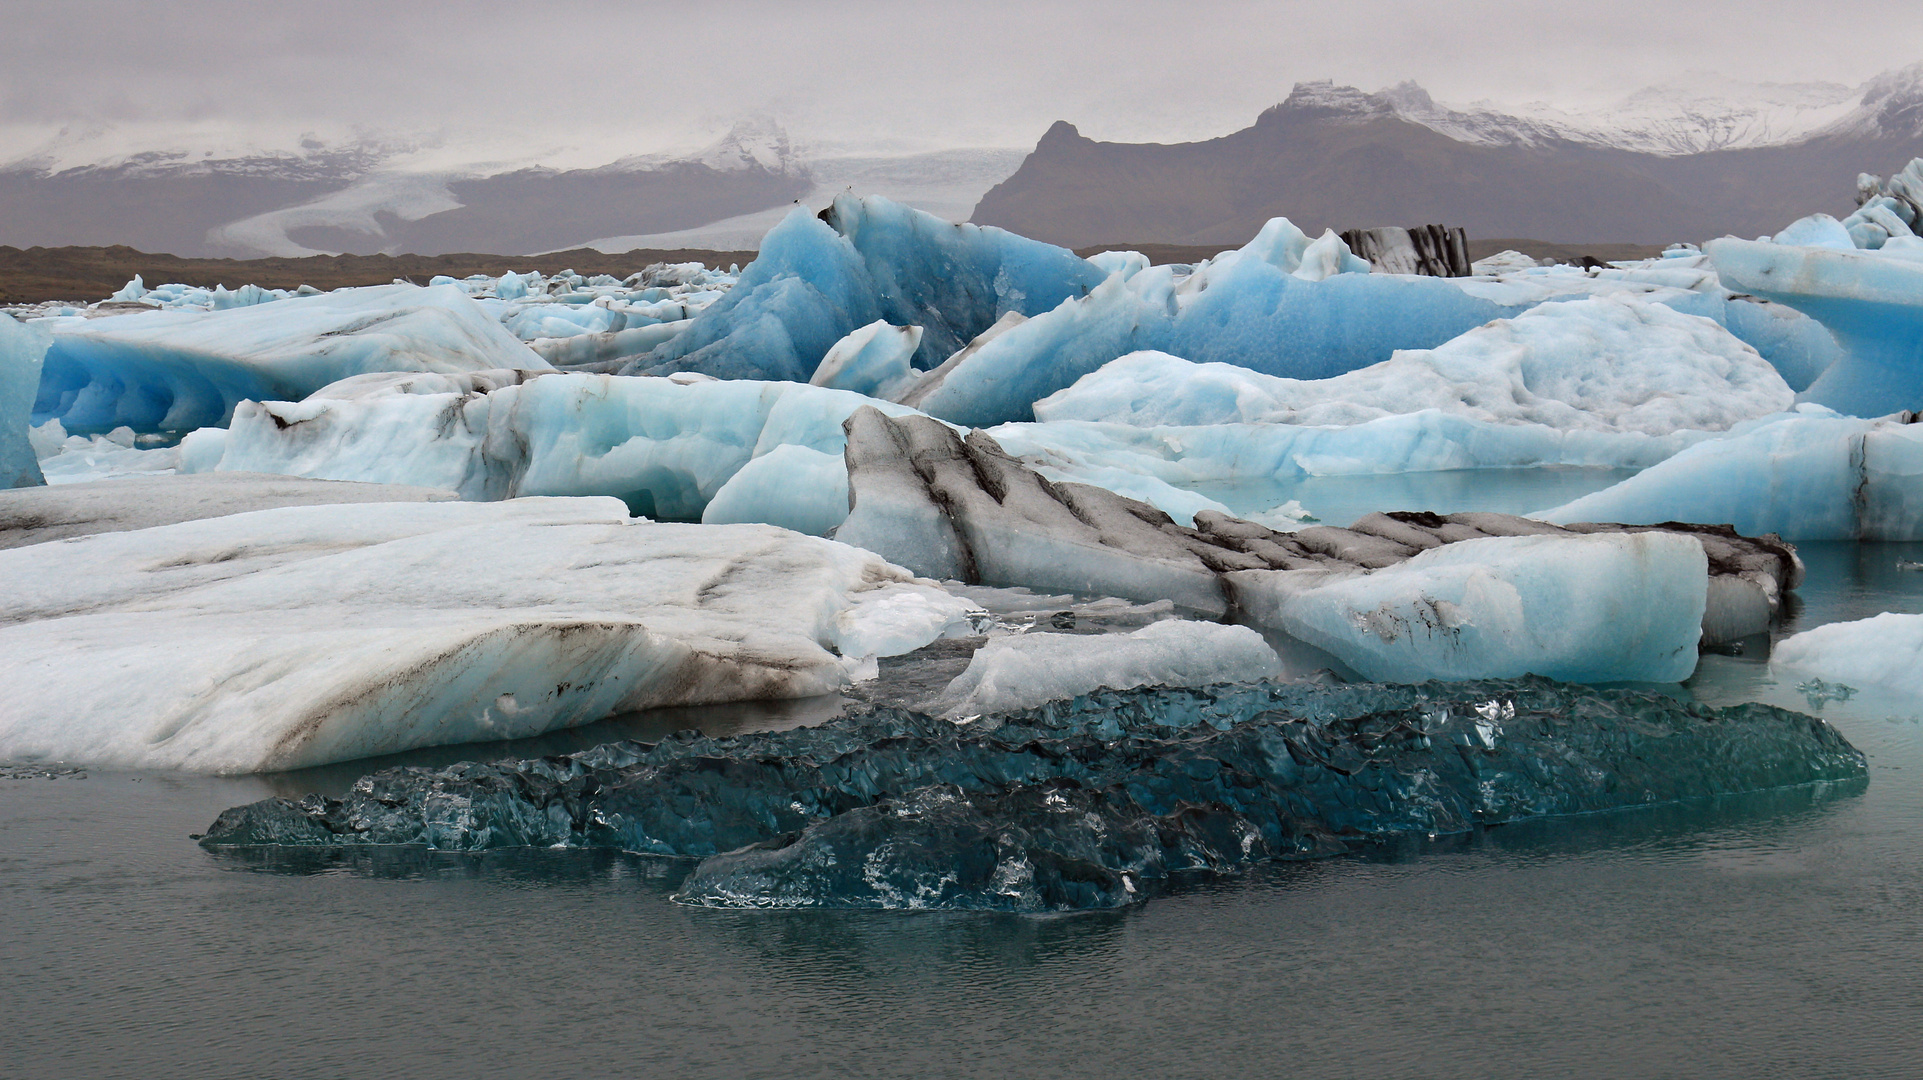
[1059,133]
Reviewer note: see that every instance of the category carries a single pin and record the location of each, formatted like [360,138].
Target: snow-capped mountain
[1684,162]
[365,195]
[1693,115]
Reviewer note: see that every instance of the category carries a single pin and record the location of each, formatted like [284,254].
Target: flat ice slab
[1026,670]
[37,515]
[299,636]
[1885,651]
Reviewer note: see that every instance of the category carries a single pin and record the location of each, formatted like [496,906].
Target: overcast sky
[609,78]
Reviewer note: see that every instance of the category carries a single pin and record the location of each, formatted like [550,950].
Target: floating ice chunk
[1097,802]
[1883,651]
[665,446]
[817,280]
[22,348]
[1817,230]
[1247,311]
[873,360]
[1126,263]
[180,370]
[70,510]
[131,292]
[1600,608]
[1024,671]
[1503,262]
[954,508]
[1603,364]
[792,486]
[285,638]
[1802,477]
[1328,256]
[902,619]
[511,287]
[1872,303]
[999,379]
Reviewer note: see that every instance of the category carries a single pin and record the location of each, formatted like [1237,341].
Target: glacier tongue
[1093,803]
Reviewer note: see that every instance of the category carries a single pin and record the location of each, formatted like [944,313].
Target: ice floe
[289,637]
[1885,651]
[1023,671]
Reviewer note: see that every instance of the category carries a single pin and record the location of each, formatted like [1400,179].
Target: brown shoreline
[86,274]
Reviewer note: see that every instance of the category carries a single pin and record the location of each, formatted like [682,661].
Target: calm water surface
[1779,935]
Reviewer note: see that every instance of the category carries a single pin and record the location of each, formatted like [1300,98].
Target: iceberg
[1598,608]
[1606,363]
[180,370]
[997,379]
[1883,651]
[1574,601]
[22,348]
[1099,802]
[816,280]
[873,360]
[1026,670]
[1809,475]
[285,638]
[71,510]
[664,446]
[1871,301]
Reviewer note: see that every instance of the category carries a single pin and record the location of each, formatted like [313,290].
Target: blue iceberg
[1095,802]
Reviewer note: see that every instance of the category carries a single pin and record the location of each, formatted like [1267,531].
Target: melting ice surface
[1082,804]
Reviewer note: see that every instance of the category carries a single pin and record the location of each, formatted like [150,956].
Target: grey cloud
[632,75]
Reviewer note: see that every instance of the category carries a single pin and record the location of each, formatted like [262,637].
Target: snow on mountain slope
[1699,112]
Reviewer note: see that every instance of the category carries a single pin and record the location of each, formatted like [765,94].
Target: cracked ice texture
[1090,803]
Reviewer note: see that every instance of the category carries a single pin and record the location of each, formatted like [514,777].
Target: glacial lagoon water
[1778,934]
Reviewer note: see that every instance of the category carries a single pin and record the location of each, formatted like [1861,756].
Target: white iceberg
[1598,608]
[664,446]
[1884,651]
[285,638]
[1810,475]
[1606,363]
[1023,671]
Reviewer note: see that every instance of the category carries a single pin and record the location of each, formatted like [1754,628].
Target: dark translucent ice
[1086,803]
